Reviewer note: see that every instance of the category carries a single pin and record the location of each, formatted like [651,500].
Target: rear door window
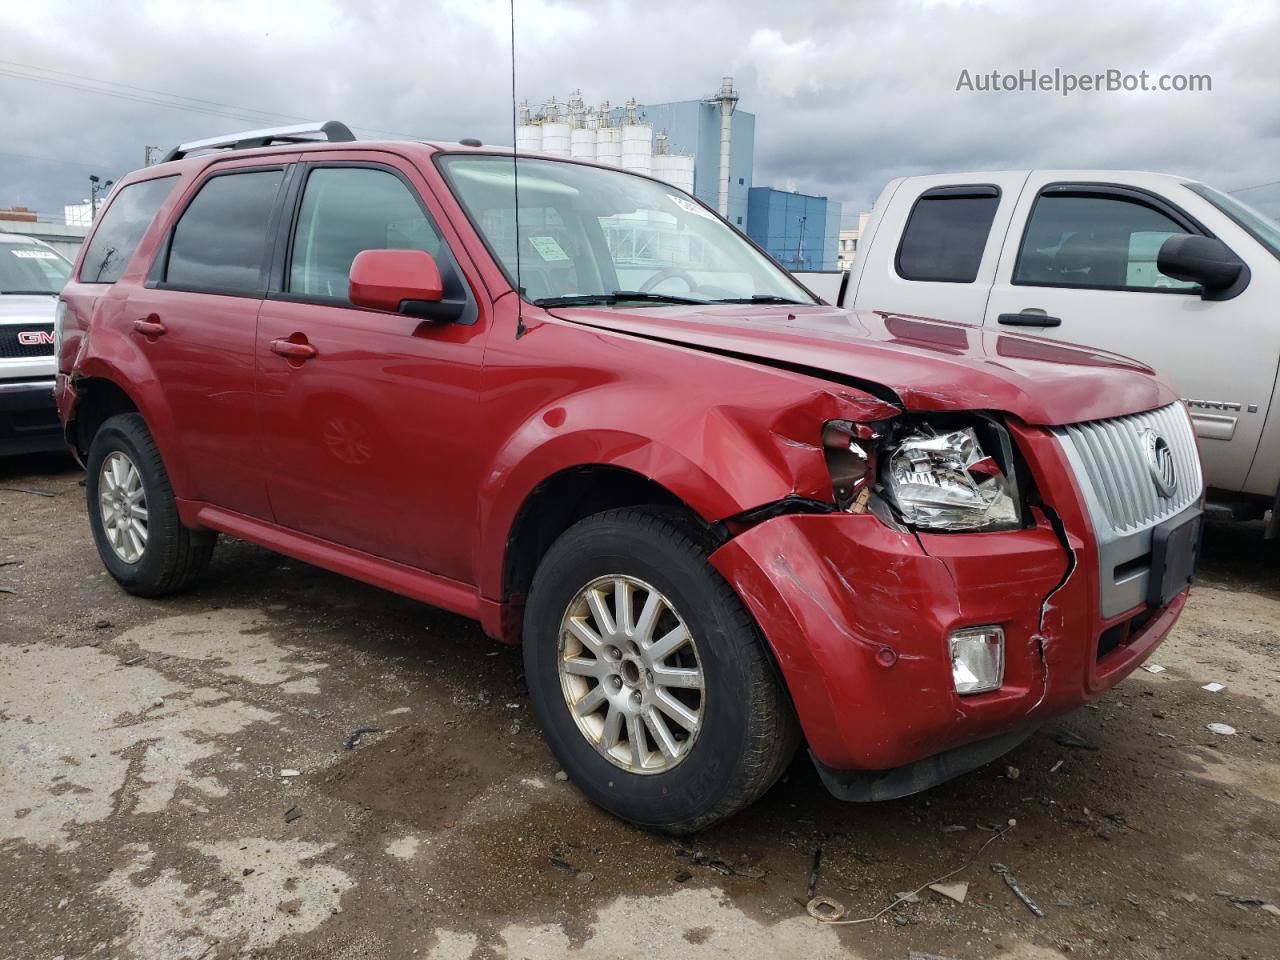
[1096,242]
[220,242]
[121,229]
[346,210]
[946,234]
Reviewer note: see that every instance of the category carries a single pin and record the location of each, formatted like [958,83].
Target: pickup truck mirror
[394,280]
[1201,260]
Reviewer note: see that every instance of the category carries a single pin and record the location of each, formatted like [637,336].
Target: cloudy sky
[846,94]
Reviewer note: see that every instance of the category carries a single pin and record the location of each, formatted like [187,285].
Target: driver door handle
[150,327]
[292,350]
[1030,317]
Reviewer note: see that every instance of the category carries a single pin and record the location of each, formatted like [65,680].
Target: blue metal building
[801,232]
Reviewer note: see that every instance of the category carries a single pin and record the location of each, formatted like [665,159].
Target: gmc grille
[13,347]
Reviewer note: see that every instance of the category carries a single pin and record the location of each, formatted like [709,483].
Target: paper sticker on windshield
[688,206]
[548,249]
[35,254]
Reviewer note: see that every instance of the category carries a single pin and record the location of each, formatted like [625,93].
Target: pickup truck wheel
[134,516]
[648,677]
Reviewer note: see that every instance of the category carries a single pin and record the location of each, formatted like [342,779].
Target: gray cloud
[846,94]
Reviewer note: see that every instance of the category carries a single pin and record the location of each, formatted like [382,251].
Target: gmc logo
[34,338]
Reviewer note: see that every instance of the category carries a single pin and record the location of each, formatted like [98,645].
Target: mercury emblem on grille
[1160,462]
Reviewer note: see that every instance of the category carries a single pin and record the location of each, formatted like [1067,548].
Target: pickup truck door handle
[1031,317]
[150,327]
[293,350]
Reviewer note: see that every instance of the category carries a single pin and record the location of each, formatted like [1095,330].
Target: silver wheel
[122,502]
[630,674]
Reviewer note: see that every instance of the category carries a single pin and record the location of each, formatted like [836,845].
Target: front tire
[652,686]
[133,513]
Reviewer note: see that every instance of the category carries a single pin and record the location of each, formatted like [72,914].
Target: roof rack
[334,131]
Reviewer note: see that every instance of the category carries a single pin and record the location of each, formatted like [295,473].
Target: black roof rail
[333,130]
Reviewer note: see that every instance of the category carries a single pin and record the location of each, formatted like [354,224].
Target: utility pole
[96,187]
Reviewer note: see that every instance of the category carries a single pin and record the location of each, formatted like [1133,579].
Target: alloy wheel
[122,501]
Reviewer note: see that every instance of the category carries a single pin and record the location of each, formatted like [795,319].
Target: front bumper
[858,615]
[28,417]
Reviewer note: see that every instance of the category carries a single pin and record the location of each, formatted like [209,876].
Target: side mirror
[386,279]
[1201,260]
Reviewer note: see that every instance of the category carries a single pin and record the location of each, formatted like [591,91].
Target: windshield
[1259,226]
[592,235]
[31,268]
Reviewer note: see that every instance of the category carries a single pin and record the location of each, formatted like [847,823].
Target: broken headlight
[944,480]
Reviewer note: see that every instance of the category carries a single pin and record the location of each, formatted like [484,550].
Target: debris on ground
[582,876]
[683,876]
[34,491]
[1011,772]
[700,859]
[1223,728]
[826,910]
[351,741]
[907,896]
[1057,766]
[1272,909]
[133,660]
[1244,900]
[1214,687]
[1012,883]
[1069,738]
[917,955]
[10,563]
[813,873]
[290,773]
[954,828]
[292,814]
[1153,668]
[956,891]
[561,776]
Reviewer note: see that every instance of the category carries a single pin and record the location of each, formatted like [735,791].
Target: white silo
[529,137]
[637,147]
[555,138]
[608,146]
[679,171]
[582,144]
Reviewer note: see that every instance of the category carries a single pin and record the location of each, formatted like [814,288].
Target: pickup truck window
[121,229]
[221,238]
[946,234]
[1097,242]
[346,210]
[586,232]
[31,268]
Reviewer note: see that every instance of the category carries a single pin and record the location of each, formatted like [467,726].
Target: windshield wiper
[28,293]
[585,299]
[760,298]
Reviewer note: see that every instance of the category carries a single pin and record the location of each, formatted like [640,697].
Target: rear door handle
[292,350]
[150,327]
[1031,317]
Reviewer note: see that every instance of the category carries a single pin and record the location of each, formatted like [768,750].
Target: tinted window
[344,211]
[220,240]
[1075,240]
[945,237]
[122,227]
[31,268]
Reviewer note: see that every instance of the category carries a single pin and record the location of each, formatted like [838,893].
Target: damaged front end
[935,613]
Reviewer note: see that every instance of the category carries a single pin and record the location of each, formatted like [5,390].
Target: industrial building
[705,147]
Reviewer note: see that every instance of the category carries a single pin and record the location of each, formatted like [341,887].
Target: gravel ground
[183,778]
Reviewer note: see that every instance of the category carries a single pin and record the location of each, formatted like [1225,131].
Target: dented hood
[922,364]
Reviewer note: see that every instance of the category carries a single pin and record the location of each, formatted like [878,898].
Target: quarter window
[946,234]
[221,240]
[346,210]
[1102,242]
[121,229]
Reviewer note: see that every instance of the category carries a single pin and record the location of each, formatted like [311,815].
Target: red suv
[575,404]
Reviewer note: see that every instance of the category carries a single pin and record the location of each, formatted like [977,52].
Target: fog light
[977,659]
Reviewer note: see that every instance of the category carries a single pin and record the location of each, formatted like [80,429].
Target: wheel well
[97,400]
[562,500]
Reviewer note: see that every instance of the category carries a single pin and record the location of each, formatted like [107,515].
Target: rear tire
[133,513]
[679,780]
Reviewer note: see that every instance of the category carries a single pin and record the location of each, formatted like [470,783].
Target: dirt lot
[180,779]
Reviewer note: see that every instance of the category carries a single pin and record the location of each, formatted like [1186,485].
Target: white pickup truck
[1169,271]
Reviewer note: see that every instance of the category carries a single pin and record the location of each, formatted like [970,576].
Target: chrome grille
[1111,455]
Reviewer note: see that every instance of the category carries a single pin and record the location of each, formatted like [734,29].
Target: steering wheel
[671,273]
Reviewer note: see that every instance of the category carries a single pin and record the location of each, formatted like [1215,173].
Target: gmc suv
[576,405]
[31,277]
